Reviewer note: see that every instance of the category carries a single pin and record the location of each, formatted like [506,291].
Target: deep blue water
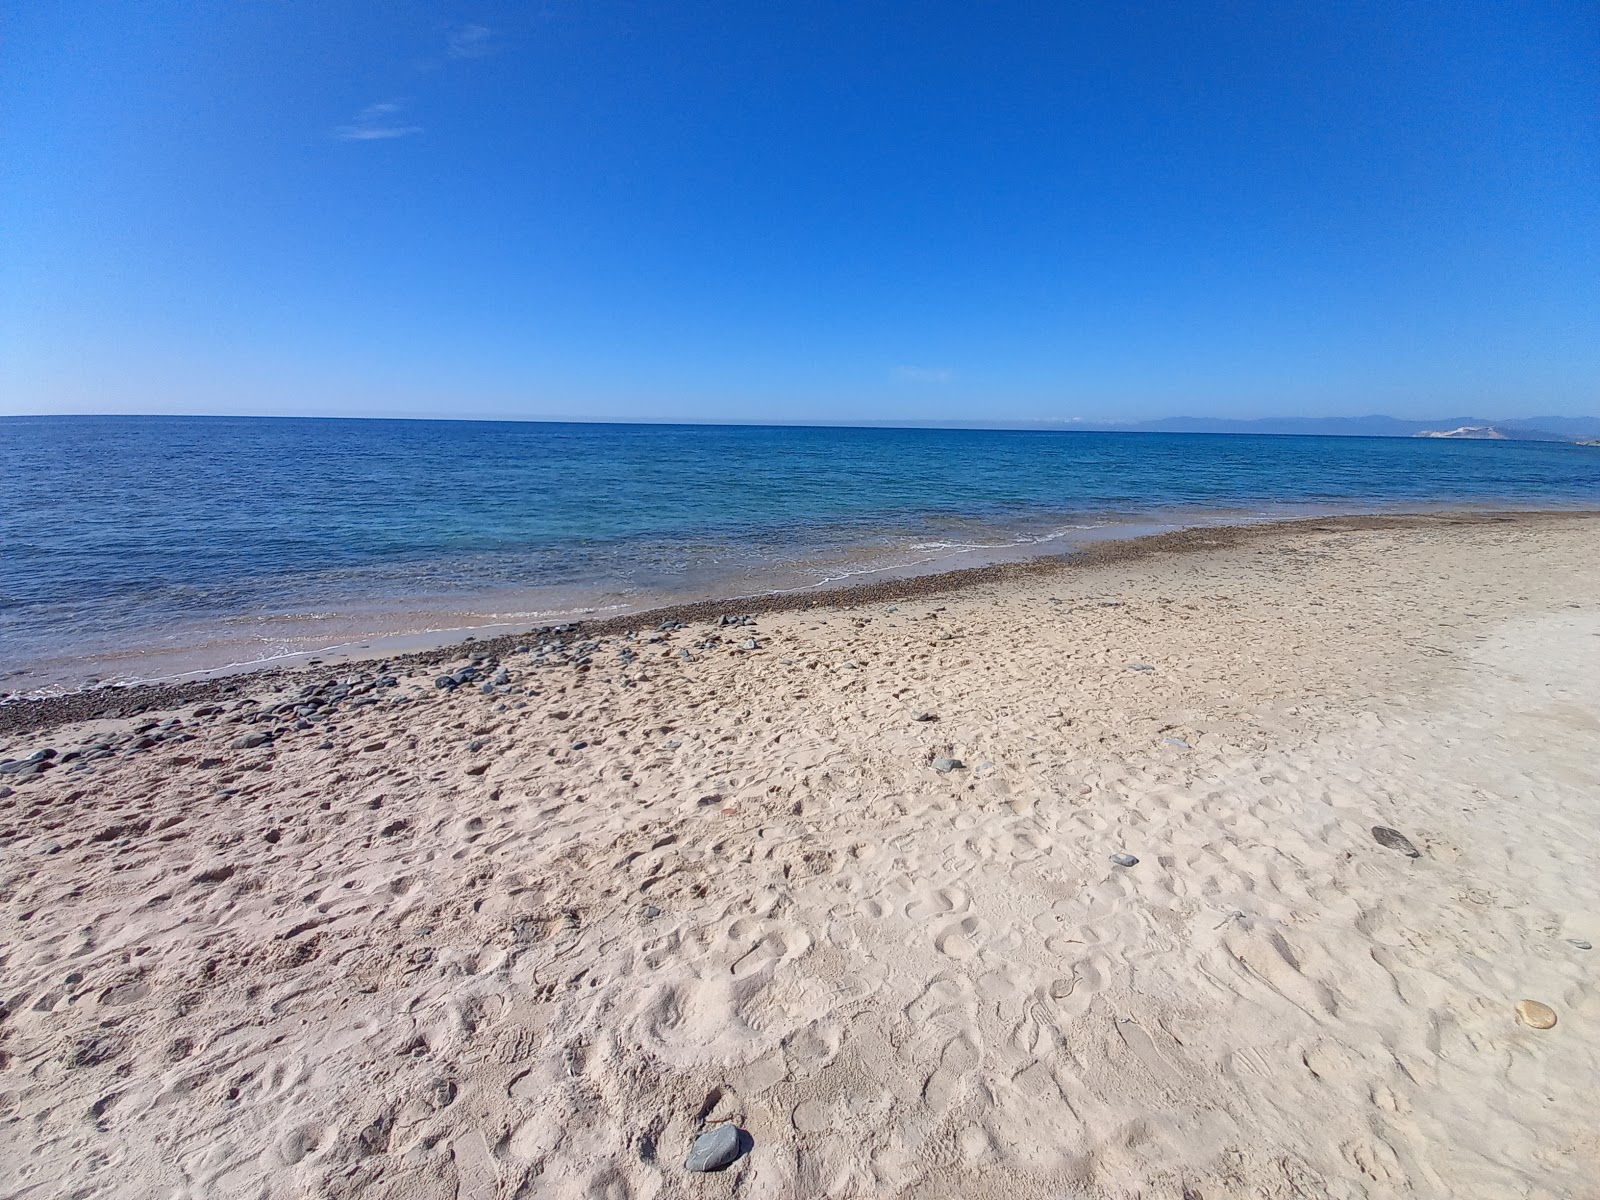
[119,533]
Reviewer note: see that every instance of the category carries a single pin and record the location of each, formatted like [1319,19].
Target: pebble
[1178,742]
[923,716]
[249,741]
[1580,943]
[1124,860]
[944,765]
[715,1149]
[1140,667]
[1535,1015]
[1393,839]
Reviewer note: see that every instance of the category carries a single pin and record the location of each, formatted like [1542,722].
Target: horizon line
[1063,425]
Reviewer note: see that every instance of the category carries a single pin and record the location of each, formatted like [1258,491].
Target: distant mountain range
[1532,429]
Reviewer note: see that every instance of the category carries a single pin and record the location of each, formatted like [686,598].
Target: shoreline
[115,701]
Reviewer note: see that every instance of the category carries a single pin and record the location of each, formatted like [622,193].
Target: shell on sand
[1536,1015]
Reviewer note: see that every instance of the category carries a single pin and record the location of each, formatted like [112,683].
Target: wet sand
[432,941]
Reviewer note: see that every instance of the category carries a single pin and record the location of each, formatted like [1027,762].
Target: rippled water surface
[128,544]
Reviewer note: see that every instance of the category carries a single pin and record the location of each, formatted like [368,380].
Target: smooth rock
[1580,943]
[923,717]
[945,765]
[1535,1015]
[715,1149]
[1124,860]
[1178,742]
[1140,667]
[249,741]
[1393,839]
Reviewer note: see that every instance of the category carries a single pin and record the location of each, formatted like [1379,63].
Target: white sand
[372,973]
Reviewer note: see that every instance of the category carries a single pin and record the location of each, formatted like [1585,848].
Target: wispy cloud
[923,374]
[376,122]
[471,41]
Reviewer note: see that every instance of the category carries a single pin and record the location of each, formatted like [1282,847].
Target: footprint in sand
[809,1050]
[1074,993]
[1143,1047]
[812,1116]
[935,904]
[962,939]
[941,995]
[959,1057]
[765,953]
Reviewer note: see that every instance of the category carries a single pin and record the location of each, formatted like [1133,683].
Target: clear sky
[782,210]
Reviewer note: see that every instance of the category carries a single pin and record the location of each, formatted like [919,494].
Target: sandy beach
[842,876]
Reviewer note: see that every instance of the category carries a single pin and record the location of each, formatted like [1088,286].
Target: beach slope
[844,876]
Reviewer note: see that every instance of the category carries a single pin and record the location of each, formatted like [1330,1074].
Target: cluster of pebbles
[317,703]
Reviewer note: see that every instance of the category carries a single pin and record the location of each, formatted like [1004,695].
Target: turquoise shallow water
[123,539]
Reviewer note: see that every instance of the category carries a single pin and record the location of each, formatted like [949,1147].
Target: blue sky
[779,211]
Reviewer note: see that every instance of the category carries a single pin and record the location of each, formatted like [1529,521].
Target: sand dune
[531,943]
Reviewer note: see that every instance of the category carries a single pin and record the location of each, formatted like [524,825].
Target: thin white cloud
[471,41]
[923,374]
[376,122]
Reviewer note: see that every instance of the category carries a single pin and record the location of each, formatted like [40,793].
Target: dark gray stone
[1393,839]
[715,1149]
[249,741]
[1124,860]
[944,765]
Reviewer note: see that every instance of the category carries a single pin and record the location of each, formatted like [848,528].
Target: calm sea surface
[139,547]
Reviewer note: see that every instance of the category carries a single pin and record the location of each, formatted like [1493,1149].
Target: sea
[142,548]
